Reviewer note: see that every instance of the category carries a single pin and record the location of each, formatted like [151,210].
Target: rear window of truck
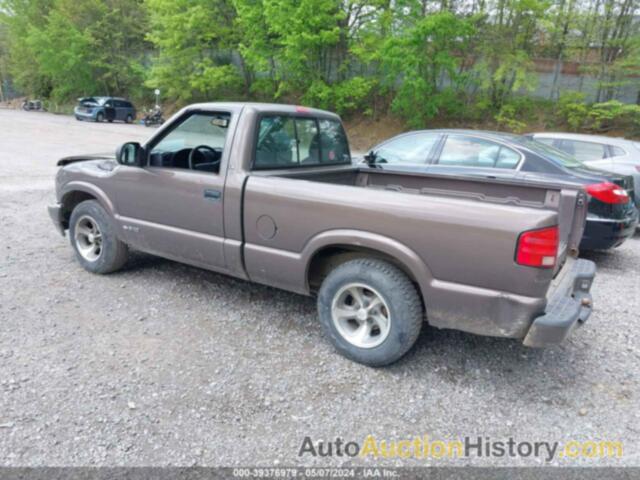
[287,141]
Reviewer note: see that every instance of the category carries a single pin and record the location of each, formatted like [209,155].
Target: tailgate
[572,213]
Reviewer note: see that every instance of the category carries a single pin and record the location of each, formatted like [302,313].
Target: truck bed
[537,194]
[478,220]
[488,190]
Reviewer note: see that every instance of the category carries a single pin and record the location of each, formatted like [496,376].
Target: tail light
[538,248]
[608,192]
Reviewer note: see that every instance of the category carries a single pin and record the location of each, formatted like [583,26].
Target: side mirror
[370,158]
[130,153]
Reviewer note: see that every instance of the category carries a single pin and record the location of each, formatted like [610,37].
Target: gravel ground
[164,364]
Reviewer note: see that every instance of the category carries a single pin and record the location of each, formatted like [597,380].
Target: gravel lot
[167,364]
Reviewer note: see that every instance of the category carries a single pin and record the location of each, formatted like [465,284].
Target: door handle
[213,195]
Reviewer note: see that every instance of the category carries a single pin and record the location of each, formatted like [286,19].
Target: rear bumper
[80,114]
[601,234]
[569,305]
[55,212]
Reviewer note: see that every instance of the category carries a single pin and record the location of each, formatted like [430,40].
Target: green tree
[295,41]
[62,53]
[20,17]
[420,61]
[468,60]
[301,49]
[117,31]
[504,48]
[4,57]
[195,42]
[67,48]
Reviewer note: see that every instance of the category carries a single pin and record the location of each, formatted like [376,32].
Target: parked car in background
[33,105]
[99,109]
[617,155]
[612,216]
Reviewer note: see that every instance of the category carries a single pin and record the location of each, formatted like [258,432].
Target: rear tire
[370,310]
[129,119]
[93,237]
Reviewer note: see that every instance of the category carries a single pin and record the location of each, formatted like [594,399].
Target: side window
[276,145]
[308,140]
[584,151]
[407,149]
[462,151]
[335,147]
[286,141]
[196,143]
[507,158]
[108,103]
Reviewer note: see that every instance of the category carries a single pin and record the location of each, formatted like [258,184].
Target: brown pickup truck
[268,193]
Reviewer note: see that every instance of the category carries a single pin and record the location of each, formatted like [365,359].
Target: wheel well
[70,201]
[326,259]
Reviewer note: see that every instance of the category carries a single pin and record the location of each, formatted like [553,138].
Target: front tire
[93,238]
[100,117]
[370,310]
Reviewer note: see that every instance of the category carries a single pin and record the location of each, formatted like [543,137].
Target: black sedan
[612,216]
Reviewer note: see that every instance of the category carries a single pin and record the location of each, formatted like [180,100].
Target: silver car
[617,155]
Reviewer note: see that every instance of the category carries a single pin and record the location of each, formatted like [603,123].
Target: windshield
[557,156]
[198,129]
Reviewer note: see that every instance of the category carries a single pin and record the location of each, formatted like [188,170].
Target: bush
[614,115]
[452,104]
[598,117]
[572,109]
[518,113]
[506,117]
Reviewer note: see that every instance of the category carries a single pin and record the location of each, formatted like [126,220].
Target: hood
[84,158]
[90,101]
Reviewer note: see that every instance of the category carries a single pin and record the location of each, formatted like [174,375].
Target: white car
[611,154]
